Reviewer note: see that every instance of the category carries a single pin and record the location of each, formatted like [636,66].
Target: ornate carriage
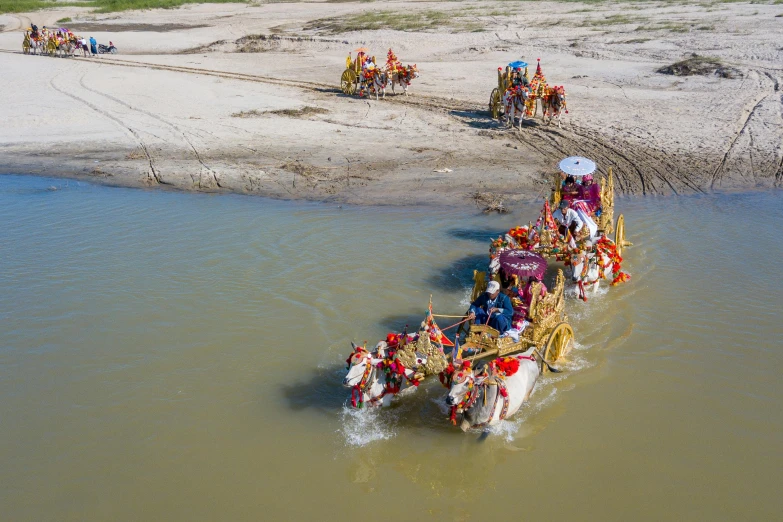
[352,75]
[605,221]
[496,96]
[548,329]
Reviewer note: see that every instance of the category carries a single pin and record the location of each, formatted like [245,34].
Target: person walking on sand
[93,45]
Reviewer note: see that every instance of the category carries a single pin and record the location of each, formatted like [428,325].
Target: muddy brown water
[173,356]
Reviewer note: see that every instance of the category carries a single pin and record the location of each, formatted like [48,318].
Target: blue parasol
[577,166]
[518,64]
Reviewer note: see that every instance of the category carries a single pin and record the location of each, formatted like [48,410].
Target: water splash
[360,427]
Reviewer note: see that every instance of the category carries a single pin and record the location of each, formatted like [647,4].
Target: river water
[170,356]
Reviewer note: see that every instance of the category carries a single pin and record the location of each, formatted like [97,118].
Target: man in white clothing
[568,219]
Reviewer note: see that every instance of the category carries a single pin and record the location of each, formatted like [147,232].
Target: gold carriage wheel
[619,234]
[348,82]
[494,103]
[560,342]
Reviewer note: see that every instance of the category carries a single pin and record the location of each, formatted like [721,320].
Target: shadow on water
[458,274]
[479,235]
[396,323]
[322,390]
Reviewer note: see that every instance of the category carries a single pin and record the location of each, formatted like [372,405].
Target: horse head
[360,365]
[462,383]
[581,264]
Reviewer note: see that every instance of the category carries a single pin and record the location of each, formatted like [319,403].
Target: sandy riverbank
[183,106]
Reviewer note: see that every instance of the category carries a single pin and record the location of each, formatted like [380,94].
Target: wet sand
[207,108]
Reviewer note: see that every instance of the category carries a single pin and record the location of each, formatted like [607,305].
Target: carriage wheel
[619,235]
[494,103]
[348,82]
[560,342]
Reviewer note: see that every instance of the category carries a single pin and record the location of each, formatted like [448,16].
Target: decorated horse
[596,262]
[373,377]
[32,42]
[514,102]
[398,362]
[399,74]
[374,81]
[485,398]
[553,104]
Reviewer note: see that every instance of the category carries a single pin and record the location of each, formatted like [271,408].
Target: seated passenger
[590,193]
[570,189]
[493,308]
[525,294]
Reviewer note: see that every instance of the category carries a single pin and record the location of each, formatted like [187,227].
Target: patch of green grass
[64,20]
[299,113]
[672,27]
[617,19]
[705,28]
[247,114]
[633,41]
[399,21]
[26,6]
[304,112]
[101,6]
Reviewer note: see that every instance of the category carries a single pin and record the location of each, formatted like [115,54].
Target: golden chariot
[537,87]
[605,221]
[352,75]
[548,329]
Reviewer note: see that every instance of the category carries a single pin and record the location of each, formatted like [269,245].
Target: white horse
[368,379]
[514,105]
[553,104]
[403,77]
[374,82]
[488,398]
[379,81]
[587,270]
[36,45]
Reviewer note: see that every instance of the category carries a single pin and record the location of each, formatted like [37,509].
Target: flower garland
[607,248]
[392,64]
[506,366]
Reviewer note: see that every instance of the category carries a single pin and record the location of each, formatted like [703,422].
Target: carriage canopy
[523,264]
[577,166]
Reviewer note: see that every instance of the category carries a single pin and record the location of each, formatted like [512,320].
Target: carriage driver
[495,305]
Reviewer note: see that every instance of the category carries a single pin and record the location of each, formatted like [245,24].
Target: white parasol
[577,166]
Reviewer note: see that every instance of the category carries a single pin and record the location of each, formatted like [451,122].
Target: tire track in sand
[165,122]
[653,168]
[743,123]
[153,172]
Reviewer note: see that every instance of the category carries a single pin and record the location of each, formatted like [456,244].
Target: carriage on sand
[365,77]
[517,96]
